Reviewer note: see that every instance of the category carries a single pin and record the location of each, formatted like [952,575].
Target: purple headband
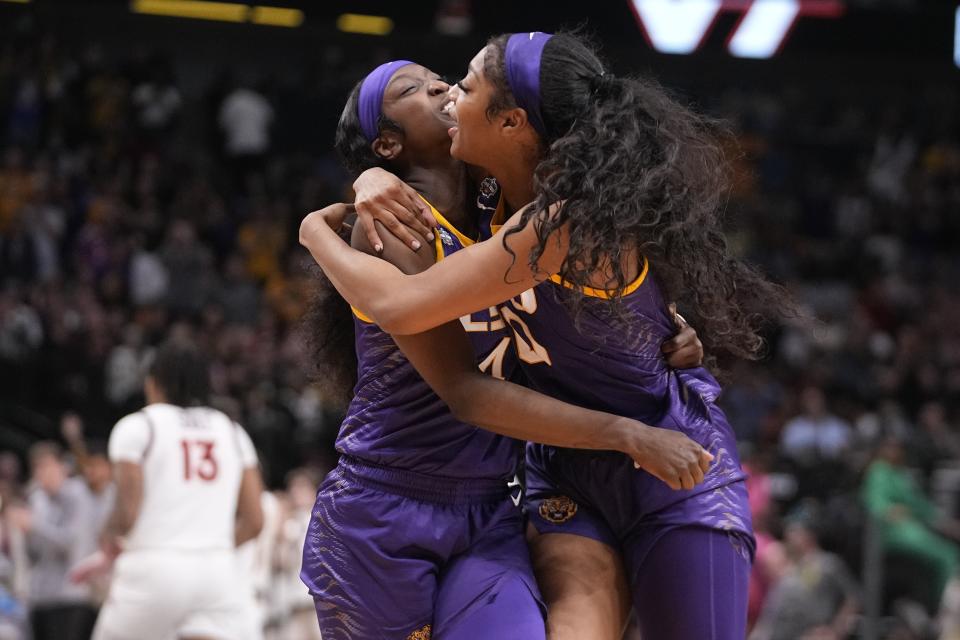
[522,60]
[370,102]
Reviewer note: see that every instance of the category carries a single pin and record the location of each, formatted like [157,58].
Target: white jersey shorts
[165,595]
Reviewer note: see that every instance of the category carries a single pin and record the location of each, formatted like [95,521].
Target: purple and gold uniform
[609,359]
[418,530]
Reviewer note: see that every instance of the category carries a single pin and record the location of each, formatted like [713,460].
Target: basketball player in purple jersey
[624,186]
[416,531]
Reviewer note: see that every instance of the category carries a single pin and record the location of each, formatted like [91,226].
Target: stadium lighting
[277,16]
[221,11]
[198,9]
[367,25]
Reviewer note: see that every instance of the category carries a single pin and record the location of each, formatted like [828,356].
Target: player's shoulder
[131,421]
[394,251]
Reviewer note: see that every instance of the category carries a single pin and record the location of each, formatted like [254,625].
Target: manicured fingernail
[415,244]
[378,248]
[429,235]
[636,466]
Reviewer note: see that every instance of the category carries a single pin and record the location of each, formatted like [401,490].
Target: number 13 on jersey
[199,460]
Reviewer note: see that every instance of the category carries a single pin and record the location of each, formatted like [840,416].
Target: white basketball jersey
[192,460]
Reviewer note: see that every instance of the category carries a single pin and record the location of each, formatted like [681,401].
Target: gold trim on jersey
[607,294]
[361,316]
[446,225]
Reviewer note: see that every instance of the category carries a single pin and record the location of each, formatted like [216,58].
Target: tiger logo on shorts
[557,510]
[423,633]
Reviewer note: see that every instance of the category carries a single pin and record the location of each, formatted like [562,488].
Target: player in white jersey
[188,492]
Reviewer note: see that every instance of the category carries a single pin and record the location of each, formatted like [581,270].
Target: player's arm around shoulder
[395,251]
[443,356]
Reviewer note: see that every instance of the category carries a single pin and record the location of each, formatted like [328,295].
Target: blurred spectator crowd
[131,208]
[124,219]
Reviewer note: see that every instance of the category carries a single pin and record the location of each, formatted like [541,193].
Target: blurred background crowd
[140,197]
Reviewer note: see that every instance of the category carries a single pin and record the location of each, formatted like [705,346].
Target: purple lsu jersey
[609,359]
[396,420]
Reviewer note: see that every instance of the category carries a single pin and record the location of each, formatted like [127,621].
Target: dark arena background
[126,218]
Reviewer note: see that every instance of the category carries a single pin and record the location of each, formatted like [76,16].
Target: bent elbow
[304,236]
[460,412]
[464,407]
[309,229]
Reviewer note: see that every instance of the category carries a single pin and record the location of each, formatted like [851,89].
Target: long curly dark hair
[635,169]
[328,331]
[328,324]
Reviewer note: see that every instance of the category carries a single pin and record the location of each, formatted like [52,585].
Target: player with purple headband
[417,531]
[624,187]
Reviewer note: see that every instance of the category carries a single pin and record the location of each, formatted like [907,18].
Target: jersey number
[528,349]
[494,360]
[198,460]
